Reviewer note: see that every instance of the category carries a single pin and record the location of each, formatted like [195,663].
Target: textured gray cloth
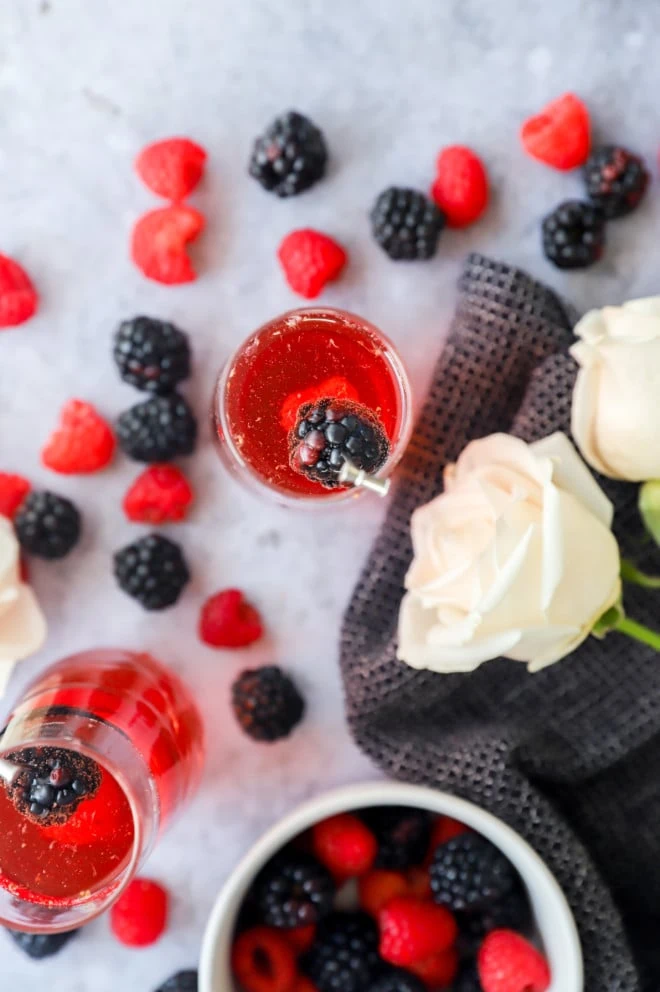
[569,757]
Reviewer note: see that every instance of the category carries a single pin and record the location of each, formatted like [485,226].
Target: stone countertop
[82,87]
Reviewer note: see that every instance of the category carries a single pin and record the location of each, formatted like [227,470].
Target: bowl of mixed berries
[389,887]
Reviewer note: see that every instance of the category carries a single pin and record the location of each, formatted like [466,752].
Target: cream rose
[22,624]
[515,558]
[616,402]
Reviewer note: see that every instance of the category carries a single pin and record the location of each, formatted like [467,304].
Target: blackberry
[403,834]
[574,235]
[152,570]
[467,979]
[182,981]
[294,890]
[47,525]
[615,179]
[328,432]
[158,429]
[53,783]
[266,703]
[290,156]
[151,354]
[344,955]
[40,945]
[470,873]
[398,980]
[513,912]
[406,224]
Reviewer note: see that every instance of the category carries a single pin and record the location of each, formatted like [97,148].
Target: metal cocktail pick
[351,475]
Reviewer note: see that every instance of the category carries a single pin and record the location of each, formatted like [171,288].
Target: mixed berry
[53,783]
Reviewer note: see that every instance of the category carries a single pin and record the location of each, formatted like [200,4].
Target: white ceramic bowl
[554,920]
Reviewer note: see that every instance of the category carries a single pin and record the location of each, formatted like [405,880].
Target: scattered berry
[160,495]
[294,890]
[227,620]
[171,168]
[290,156]
[336,386]
[158,244]
[438,971]
[460,189]
[310,260]
[300,938]
[513,912]
[412,930]
[47,525]
[139,917]
[53,783]
[40,945]
[560,135]
[151,354]
[379,887]
[406,224]
[402,832]
[262,961]
[329,432]
[266,703]
[158,429]
[344,957]
[344,845]
[152,570]
[509,963]
[18,297]
[574,235]
[13,490]
[469,873]
[397,980]
[615,180]
[82,443]
[182,981]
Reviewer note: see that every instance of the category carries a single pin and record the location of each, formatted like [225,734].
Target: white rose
[515,558]
[22,624]
[616,402]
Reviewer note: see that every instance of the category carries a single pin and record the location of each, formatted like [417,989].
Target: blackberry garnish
[152,570]
[182,981]
[406,224]
[53,784]
[513,912]
[290,156]
[616,180]
[403,834]
[266,703]
[470,873]
[151,354]
[293,890]
[47,525]
[330,431]
[40,945]
[398,980]
[344,956]
[574,235]
[157,430]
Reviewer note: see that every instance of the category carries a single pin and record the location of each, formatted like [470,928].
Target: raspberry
[158,244]
[139,916]
[160,495]
[262,961]
[300,938]
[460,189]
[560,134]
[18,297]
[439,970]
[13,490]
[172,167]
[412,930]
[335,386]
[310,260]
[227,620]
[82,443]
[509,963]
[344,845]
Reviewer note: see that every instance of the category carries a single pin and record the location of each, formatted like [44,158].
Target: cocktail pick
[351,475]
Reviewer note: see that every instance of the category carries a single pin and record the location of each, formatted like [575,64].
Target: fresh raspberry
[460,189]
[262,961]
[344,845]
[560,135]
[227,620]
[18,297]
[158,245]
[172,167]
[139,916]
[310,260]
[509,963]
[438,971]
[82,443]
[336,386]
[379,887]
[412,930]
[160,495]
[300,938]
[13,490]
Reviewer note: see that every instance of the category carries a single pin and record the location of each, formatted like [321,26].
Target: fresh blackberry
[574,235]
[403,834]
[470,873]
[294,890]
[151,354]
[182,981]
[328,432]
[615,179]
[344,955]
[398,980]
[53,783]
[152,570]
[290,156]
[513,912]
[157,430]
[47,525]
[41,945]
[406,224]
[266,703]
[467,979]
